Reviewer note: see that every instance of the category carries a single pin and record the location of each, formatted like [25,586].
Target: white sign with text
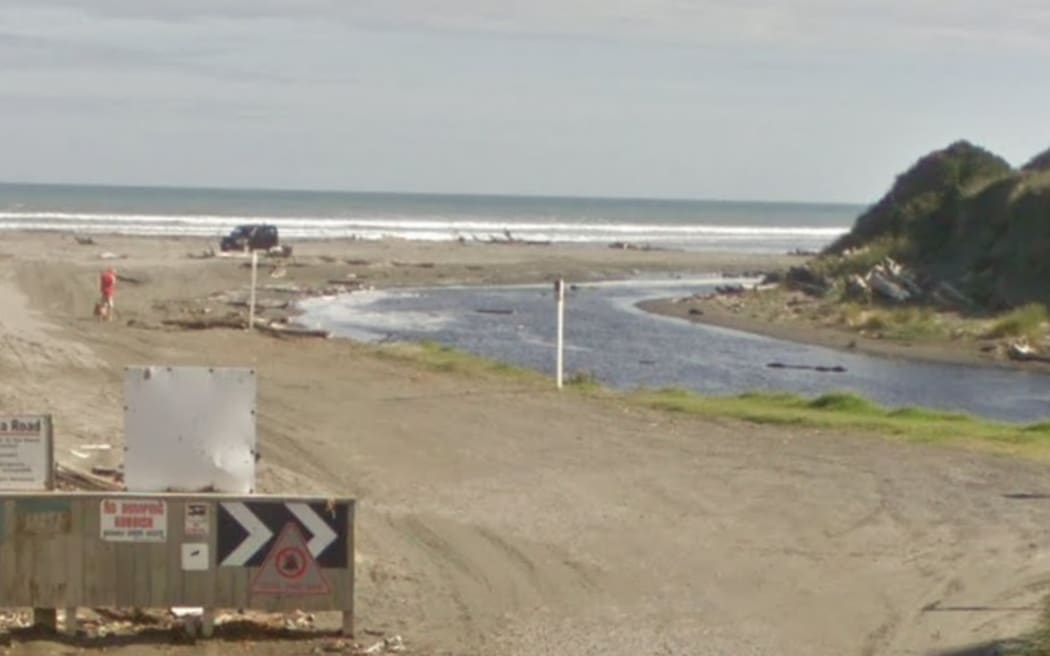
[26,452]
[134,520]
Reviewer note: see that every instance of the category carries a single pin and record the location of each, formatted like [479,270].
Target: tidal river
[626,348]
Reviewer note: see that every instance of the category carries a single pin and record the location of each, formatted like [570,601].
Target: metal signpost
[251,297]
[559,295]
[189,429]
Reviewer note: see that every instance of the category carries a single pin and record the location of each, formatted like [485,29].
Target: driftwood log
[821,368]
[206,323]
[279,329]
[82,480]
[268,326]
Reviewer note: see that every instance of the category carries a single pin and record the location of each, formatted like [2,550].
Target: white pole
[559,293]
[251,298]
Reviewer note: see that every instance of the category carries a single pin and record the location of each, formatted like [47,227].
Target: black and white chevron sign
[247,530]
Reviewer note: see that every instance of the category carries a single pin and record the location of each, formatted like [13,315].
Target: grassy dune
[852,412]
[837,411]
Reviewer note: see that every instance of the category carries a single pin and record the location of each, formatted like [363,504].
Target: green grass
[584,381]
[852,412]
[860,261]
[836,411]
[903,324]
[1025,321]
[438,357]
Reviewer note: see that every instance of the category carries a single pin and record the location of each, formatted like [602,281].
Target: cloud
[53,35]
[801,24]
[1014,24]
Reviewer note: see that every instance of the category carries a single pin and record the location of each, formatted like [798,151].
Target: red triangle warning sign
[289,568]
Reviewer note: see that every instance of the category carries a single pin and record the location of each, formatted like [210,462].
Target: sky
[812,100]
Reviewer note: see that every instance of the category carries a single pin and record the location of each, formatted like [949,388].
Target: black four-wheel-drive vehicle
[255,237]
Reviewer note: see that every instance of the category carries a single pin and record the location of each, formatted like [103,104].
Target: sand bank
[500,516]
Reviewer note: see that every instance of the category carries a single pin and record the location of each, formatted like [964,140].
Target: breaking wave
[434,228]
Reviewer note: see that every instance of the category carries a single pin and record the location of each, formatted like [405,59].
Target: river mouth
[609,338]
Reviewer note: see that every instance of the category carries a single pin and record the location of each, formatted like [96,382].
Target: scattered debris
[806,280]
[107,472]
[887,288]
[944,293]
[84,240]
[289,288]
[260,303]
[206,323]
[282,329]
[279,251]
[391,645]
[820,368]
[857,288]
[1022,351]
[77,479]
[111,256]
[186,611]
[352,284]
[508,238]
[730,290]
[628,246]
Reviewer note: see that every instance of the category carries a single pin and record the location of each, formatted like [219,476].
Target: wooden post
[559,294]
[70,625]
[45,618]
[49,483]
[251,299]
[208,623]
[351,564]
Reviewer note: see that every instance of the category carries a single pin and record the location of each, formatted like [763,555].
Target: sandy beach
[500,516]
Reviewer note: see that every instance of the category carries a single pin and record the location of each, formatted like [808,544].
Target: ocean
[741,226]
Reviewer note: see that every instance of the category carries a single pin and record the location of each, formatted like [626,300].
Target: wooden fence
[64,550]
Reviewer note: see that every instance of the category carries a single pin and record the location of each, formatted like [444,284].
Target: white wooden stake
[251,298]
[559,293]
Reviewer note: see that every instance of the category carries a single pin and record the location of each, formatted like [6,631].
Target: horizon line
[447,194]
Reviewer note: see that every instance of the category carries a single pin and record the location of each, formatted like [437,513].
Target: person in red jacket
[107,284]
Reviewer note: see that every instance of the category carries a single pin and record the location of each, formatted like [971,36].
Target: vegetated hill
[1040,162]
[963,216]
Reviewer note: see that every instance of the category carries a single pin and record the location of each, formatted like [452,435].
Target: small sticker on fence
[197,520]
[134,520]
[195,557]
